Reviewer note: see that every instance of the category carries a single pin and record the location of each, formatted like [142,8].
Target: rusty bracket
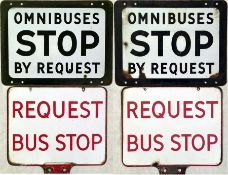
[172,169]
[57,168]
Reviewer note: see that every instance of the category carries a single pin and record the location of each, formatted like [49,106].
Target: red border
[183,165]
[60,163]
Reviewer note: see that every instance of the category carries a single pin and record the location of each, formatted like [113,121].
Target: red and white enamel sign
[57,125]
[172,126]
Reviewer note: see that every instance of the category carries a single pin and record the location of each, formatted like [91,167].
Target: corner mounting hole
[64,170]
[164,170]
[49,170]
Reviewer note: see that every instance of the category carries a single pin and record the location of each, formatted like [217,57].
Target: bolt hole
[22,3]
[205,3]
[136,82]
[216,82]
[205,82]
[22,82]
[11,82]
[49,170]
[91,82]
[124,3]
[64,170]
[125,82]
[135,3]
[164,170]
[216,3]
[91,3]
[11,3]
[179,170]
[102,3]
[102,82]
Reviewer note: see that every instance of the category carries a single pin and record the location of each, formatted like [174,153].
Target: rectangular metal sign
[57,125]
[57,43]
[171,43]
[172,126]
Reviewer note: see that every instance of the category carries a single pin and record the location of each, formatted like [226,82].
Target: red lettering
[143,142]
[212,103]
[71,136]
[18,109]
[60,142]
[55,110]
[130,109]
[158,142]
[85,109]
[176,142]
[71,109]
[97,104]
[47,112]
[200,109]
[202,141]
[45,143]
[160,114]
[132,142]
[170,107]
[186,109]
[212,139]
[29,109]
[87,142]
[17,142]
[96,139]
[143,109]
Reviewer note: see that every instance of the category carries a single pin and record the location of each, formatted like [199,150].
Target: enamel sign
[172,126]
[57,43]
[57,125]
[171,43]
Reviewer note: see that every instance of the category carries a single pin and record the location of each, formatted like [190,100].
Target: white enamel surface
[96,54]
[168,126]
[206,55]
[53,126]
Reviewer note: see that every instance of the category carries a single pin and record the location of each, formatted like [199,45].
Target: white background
[114,162]
[168,126]
[206,55]
[96,54]
[53,126]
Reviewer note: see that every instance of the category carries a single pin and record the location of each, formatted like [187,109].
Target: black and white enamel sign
[57,43]
[170,43]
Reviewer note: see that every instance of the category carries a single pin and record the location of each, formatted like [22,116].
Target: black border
[215,81]
[105,80]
